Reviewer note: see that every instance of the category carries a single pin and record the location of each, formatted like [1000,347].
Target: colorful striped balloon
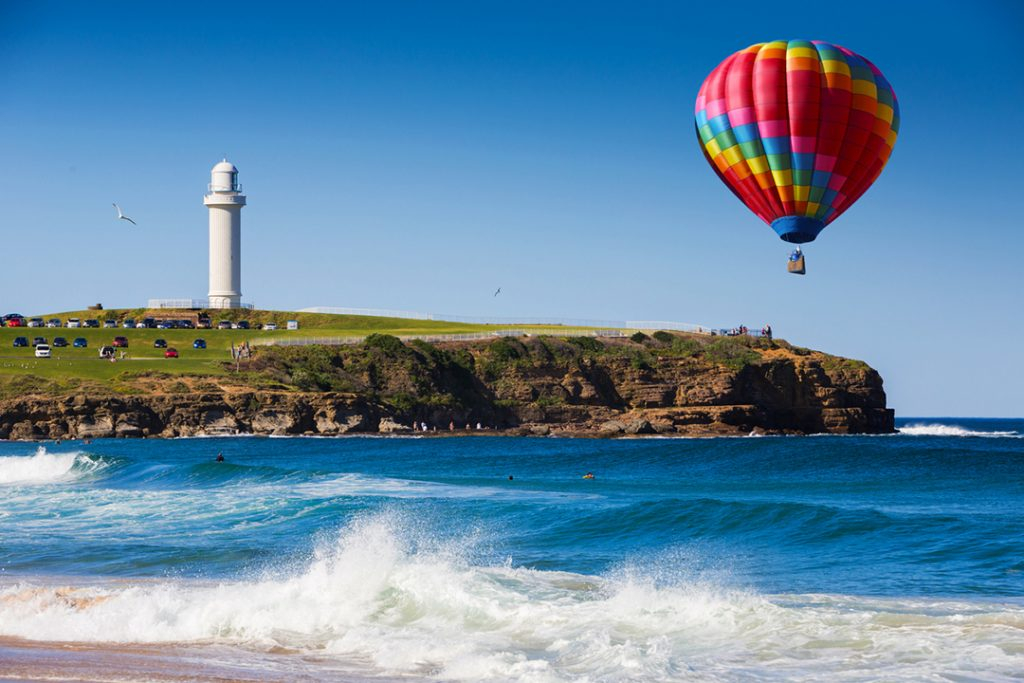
[798,130]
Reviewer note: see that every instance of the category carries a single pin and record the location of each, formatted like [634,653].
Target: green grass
[85,363]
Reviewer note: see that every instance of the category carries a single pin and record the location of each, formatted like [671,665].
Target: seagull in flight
[498,292]
[120,214]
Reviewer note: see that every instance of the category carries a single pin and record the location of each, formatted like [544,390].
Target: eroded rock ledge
[667,384]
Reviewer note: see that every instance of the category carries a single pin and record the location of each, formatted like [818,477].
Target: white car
[53,322]
[74,322]
[36,322]
[270,326]
[43,351]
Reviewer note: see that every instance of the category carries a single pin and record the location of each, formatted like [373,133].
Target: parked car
[74,322]
[128,324]
[54,322]
[199,344]
[109,323]
[164,325]
[159,343]
[270,326]
[36,341]
[148,323]
[224,325]
[171,353]
[43,351]
[36,322]
[242,325]
[121,342]
[20,342]
[186,325]
[11,315]
[203,323]
[59,342]
[92,322]
[80,343]
[107,352]
[16,321]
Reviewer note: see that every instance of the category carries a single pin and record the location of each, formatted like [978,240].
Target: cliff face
[669,384]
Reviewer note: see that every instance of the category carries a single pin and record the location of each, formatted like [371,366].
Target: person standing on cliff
[768,331]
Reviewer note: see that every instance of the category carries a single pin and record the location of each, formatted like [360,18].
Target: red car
[171,353]
[121,342]
[16,322]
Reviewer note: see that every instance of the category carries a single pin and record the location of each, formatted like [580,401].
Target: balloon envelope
[798,130]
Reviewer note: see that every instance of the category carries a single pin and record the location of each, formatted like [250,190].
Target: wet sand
[28,660]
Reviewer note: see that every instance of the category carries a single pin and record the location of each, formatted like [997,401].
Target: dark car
[121,342]
[92,322]
[224,325]
[148,323]
[242,325]
[159,343]
[36,341]
[186,325]
[20,341]
[199,344]
[171,353]
[109,322]
[59,342]
[80,343]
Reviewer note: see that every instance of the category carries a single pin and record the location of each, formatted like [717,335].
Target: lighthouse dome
[224,177]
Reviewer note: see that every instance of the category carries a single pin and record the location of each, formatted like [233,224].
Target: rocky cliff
[672,384]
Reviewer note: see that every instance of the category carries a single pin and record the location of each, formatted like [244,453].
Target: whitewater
[838,558]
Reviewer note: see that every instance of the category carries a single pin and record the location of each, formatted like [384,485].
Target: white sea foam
[382,599]
[44,467]
[952,430]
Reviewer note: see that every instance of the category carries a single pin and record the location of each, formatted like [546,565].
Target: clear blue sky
[418,155]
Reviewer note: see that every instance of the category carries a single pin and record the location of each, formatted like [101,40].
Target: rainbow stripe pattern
[798,130]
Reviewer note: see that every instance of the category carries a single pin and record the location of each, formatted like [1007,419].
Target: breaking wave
[952,430]
[43,467]
[382,598]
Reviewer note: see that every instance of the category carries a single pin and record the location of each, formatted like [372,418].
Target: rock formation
[670,384]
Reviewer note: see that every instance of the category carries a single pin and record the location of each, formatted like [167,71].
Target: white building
[225,200]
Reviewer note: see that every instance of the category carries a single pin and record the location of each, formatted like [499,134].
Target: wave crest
[43,467]
[952,430]
[383,598]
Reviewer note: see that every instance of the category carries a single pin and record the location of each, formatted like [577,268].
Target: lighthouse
[225,200]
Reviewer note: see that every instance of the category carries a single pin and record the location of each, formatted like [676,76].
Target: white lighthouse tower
[225,200]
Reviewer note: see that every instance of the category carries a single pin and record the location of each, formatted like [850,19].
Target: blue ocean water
[853,557]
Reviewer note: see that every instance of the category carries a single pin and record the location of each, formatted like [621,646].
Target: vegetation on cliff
[665,382]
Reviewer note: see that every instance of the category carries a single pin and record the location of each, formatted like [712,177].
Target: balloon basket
[796,265]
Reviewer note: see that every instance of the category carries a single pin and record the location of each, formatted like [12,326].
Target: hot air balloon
[798,130]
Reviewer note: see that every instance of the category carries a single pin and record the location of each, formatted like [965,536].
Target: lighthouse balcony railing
[237,187]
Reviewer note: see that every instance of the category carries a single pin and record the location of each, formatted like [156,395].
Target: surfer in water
[220,457]
[588,475]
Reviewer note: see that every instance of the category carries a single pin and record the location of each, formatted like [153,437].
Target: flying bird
[498,292]
[121,215]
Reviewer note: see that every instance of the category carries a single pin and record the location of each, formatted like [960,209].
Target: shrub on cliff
[587,344]
[731,353]
[638,337]
[663,337]
[385,342]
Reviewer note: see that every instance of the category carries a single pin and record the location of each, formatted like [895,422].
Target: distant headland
[348,374]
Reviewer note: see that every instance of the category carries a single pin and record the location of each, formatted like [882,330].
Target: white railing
[192,304]
[515,320]
[436,338]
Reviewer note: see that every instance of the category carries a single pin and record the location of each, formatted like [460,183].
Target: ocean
[839,558]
